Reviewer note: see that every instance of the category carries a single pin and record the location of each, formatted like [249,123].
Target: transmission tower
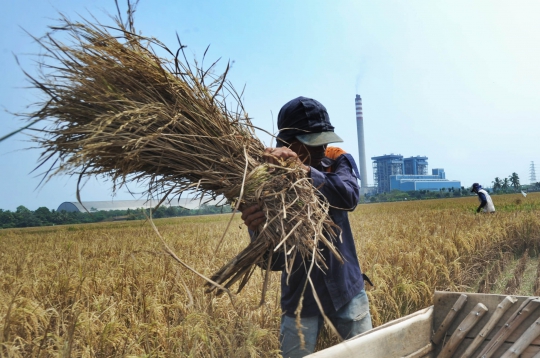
[532,173]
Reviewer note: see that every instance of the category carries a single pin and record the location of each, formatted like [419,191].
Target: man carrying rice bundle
[305,132]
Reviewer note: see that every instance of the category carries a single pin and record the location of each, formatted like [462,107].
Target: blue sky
[456,81]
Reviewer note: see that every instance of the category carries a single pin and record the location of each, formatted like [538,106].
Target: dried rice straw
[117,109]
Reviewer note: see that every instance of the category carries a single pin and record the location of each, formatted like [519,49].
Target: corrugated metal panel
[188,203]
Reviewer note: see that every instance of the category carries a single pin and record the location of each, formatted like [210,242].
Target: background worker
[305,131]
[486,203]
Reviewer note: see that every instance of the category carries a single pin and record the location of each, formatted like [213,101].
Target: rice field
[106,290]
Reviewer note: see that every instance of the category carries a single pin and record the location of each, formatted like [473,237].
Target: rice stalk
[125,107]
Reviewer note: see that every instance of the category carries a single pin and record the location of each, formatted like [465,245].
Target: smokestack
[361,145]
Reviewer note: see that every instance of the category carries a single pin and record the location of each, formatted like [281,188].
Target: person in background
[486,203]
[305,132]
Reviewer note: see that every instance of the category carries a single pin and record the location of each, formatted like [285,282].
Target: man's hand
[273,155]
[253,217]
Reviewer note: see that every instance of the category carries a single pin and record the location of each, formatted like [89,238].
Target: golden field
[102,290]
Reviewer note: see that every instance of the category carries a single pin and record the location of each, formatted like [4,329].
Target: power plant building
[415,165]
[383,168]
[393,172]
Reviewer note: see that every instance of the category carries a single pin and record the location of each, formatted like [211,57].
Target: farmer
[485,200]
[305,131]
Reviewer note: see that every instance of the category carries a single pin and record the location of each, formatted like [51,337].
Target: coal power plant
[393,171]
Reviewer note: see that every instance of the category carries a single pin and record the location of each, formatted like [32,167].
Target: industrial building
[385,166]
[188,203]
[434,182]
[393,172]
[415,165]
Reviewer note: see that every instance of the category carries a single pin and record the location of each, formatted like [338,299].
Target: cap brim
[317,139]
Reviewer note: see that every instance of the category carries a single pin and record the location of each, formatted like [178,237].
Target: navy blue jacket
[341,282]
[483,200]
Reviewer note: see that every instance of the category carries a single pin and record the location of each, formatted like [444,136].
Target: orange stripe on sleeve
[334,152]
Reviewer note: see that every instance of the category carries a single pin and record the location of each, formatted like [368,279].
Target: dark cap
[306,120]
[475,186]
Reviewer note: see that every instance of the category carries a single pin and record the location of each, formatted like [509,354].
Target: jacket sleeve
[483,200]
[340,188]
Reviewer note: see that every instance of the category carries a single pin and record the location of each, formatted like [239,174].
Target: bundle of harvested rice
[115,108]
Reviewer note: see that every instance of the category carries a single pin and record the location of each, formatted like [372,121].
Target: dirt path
[516,275]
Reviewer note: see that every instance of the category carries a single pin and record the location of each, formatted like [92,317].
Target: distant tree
[44,215]
[161,212]
[505,184]
[171,211]
[24,217]
[497,184]
[7,219]
[514,180]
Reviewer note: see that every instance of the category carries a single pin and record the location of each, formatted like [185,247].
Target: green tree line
[24,217]
[512,184]
[507,184]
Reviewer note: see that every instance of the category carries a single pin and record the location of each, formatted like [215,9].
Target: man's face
[311,156]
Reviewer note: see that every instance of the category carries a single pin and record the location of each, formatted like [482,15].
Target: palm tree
[505,184]
[514,179]
[497,184]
